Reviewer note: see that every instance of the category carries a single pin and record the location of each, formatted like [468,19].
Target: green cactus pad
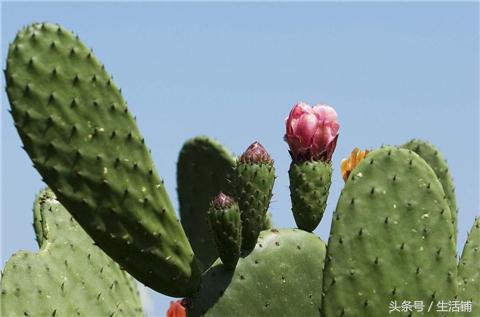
[469,269]
[391,238]
[227,230]
[204,169]
[253,192]
[76,128]
[69,276]
[280,277]
[439,165]
[309,185]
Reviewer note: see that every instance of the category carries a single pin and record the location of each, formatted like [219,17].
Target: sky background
[233,71]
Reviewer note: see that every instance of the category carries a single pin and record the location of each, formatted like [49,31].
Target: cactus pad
[253,192]
[76,128]
[391,238]
[437,162]
[469,269]
[204,169]
[282,276]
[69,276]
[226,226]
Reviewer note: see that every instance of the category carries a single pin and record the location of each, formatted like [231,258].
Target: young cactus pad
[254,179]
[391,238]
[226,226]
[69,276]
[76,128]
[281,276]
[204,169]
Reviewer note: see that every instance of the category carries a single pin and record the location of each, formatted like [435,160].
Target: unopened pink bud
[256,153]
[311,133]
[222,201]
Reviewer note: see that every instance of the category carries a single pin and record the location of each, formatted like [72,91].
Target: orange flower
[348,165]
[176,309]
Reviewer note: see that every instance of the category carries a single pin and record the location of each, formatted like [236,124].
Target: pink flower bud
[222,201]
[311,132]
[256,153]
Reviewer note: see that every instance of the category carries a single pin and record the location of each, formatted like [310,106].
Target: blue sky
[232,71]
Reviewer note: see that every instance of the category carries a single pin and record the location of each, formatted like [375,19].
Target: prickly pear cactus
[69,276]
[76,128]
[391,238]
[281,276]
[204,169]
[469,269]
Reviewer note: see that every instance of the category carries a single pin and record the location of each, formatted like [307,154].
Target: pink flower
[311,132]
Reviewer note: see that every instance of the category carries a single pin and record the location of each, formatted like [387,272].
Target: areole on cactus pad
[392,234]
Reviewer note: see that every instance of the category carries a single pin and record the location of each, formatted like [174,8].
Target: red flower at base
[176,309]
[312,132]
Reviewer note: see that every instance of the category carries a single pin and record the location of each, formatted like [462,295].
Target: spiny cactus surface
[204,169]
[309,186]
[391,238]
[254,179]
[437,162]
[469,269]
[226,226]
[76,128]
[281,276]
[69,276]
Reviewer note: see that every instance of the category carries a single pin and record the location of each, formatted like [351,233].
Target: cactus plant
[254,178]
[224,219]
[68,276]
[392,235]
